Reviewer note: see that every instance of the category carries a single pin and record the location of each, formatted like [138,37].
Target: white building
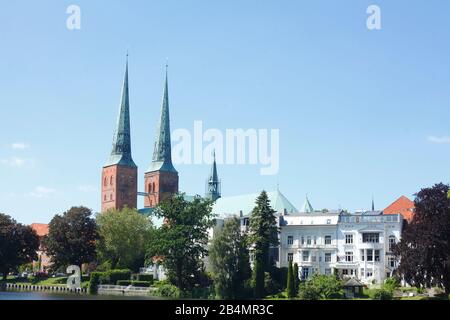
[352,245]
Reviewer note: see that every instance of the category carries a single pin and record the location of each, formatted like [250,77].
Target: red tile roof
[403,206]
[40,228]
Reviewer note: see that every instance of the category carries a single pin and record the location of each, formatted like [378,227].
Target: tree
[424,250]
[296,278]
[230,261]
[258,279]
[18,244]
[124,237]
[321,287]
[72,237]
[182,240]
[290,282]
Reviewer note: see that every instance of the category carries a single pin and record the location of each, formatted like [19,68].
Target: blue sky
[360,112]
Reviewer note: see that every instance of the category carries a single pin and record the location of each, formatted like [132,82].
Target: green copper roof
[307,207]
[245,203]
[162,154]
[121,147]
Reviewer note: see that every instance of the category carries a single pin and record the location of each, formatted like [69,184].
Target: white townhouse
[365,242]
[355,245]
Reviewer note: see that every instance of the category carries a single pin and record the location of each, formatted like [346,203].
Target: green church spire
[162,153]
[213,183]
[121,147]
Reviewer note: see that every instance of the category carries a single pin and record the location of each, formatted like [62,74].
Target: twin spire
[121,146]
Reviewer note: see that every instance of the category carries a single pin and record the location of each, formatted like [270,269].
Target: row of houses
[354,245]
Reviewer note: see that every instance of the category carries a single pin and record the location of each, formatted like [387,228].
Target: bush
[390,284]
[308,292]
[142,284]
[116,275]
[271,286]
[125,283]
[145,277]
[381,294]
[168,291]
[321,287]
[94,282]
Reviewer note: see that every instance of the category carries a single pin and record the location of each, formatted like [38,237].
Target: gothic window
[150,188]
[153,186]
[105,181]
[111,180]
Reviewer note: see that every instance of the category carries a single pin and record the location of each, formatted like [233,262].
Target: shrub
[124,283]
[94,282]
[271,286]
[145,277]
[381,294]
[168,291]
[116,275]
[391,284]
[142,284]
[307,292]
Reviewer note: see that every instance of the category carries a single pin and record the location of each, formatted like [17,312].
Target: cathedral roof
[162,154]
[245,203]
[121,147]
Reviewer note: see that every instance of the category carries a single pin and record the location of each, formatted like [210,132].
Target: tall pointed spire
[307,207]
[162,153]
[373,204]
[213,183]
[121,146]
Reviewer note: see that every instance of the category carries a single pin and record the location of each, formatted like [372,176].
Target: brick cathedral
[120,173]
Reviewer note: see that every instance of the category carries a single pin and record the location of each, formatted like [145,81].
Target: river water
[28,295]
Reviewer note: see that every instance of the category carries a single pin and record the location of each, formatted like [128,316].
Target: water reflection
[26,295]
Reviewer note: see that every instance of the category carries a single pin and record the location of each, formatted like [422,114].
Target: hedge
[145,277]
[94,282]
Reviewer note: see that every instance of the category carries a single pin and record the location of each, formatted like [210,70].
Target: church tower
[161,178]
[213,183]
[119,175]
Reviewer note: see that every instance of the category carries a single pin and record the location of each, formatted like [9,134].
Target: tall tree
[230,261]
[124,237]
[182,239]
[290,288]
[258,279]
[296,278]
[72,237]
[424,250]
[263,233]
[18,244]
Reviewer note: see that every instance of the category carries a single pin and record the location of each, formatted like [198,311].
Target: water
[28,295]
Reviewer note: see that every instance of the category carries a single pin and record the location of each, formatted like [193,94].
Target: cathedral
[120,173]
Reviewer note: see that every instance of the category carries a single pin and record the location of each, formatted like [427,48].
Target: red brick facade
[159,185]
[119,187]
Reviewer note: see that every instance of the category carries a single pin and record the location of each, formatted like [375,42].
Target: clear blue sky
[360,112]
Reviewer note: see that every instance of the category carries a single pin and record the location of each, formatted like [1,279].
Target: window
[110,197]
[345,272]
[315,240]
[303,240]
[327,239]
[290,257]
[305,256]
[392,242]
[328,257]
[105,182]
[391,262]
[290,240]
[153,187]
[371,237]
[369,255]
[348,239]
[349,256]
[313,258]
[308,240]
[305,273]
[362,254]
[327,271]
[369,273]
[377,255]
[328,221]
[111,180]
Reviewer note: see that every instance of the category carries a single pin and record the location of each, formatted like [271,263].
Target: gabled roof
[40,228]
[403,206]
[353,282]
[234,205]
[307,207]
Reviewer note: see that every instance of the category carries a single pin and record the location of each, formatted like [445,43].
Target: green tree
[72,238]
[258,279]
[296,278]
[290,288]
[263,233]
[18,244]
[424,250]
[230,261]
[124,237]
[182,240]
[321,287]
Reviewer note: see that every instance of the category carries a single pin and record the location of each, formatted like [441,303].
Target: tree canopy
[124,237]
[18,244]
[230,261]
[181,242]
[72,238]
[424,250]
